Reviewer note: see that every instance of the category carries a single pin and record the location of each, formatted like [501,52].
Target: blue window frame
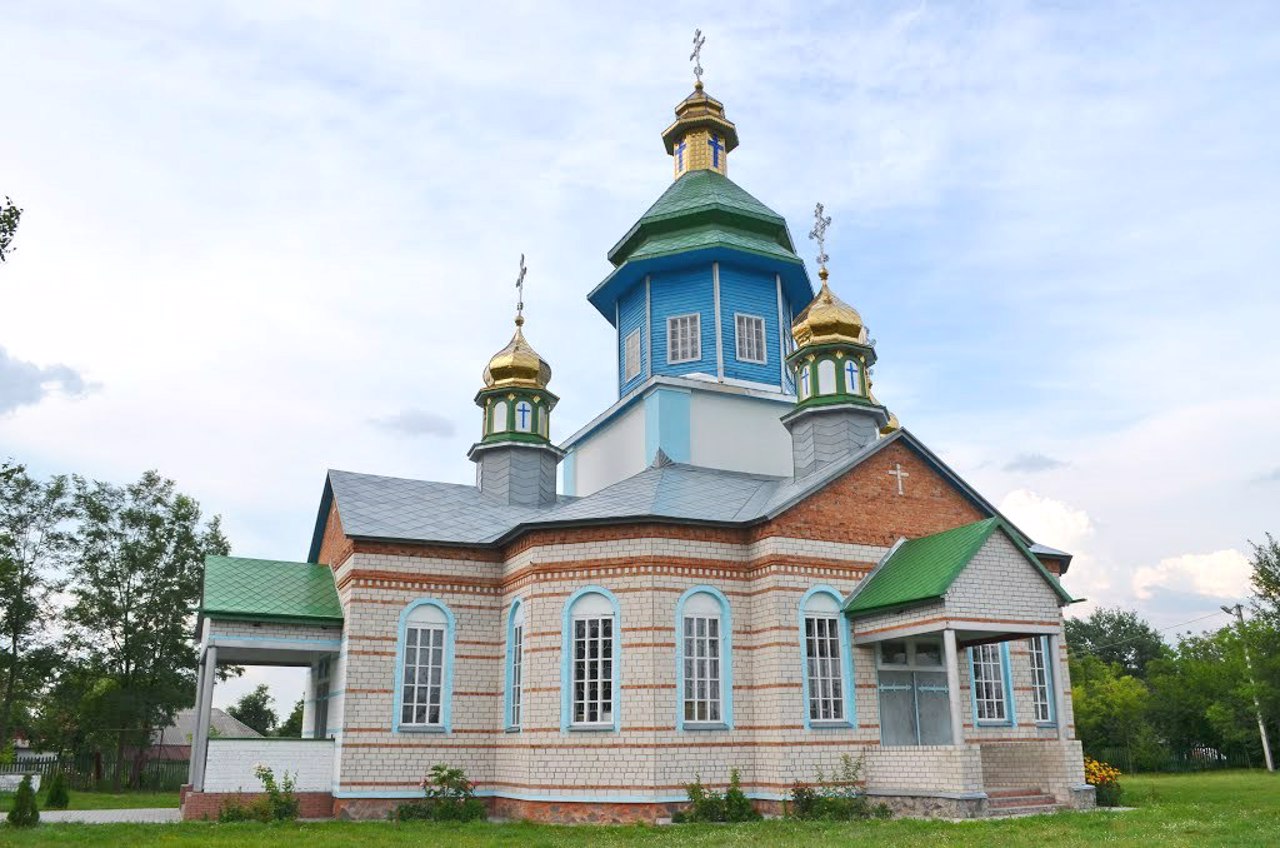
[591,661]
[423,699]
[827,660]
[513,693]
[704,660]
[990,686]
[1043,696]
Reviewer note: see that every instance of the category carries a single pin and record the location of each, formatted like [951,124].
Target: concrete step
[1013,791]
[1031,810]
[1018,801]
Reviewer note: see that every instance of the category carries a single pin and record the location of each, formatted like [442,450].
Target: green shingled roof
[712,235]
[235,587]
[701,197]
[923,569]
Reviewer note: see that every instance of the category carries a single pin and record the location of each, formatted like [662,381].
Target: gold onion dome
[828,319]
[517,364]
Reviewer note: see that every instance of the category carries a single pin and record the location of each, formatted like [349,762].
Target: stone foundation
[206,805]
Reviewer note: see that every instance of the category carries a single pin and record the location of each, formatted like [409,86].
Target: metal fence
[1195,759]
[88,772]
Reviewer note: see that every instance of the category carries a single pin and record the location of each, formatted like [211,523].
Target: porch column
[1059,680]
[204,706]
[953,685]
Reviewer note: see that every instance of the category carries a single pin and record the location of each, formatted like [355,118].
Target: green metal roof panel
[690,198]
[712,236]
[267,588]
[921,569]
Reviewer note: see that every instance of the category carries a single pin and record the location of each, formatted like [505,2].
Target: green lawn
[103,800]
[1197,811]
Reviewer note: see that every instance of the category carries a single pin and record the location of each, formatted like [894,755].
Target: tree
[33,543]
[1117,636]
[9,215]
[139,555]
[254,709]
[1266,578]
[291,727]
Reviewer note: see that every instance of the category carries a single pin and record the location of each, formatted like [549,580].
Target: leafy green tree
[291,727]
[9,216]
[33,544]
[254,709]
[1110,706]
[1266,578]
[139,555]
[1116,636]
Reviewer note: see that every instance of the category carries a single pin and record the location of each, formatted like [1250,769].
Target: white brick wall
[231,764]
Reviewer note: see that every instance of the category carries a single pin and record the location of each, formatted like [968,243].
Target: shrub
[59,798]
[737,806]
[1105,779]
[838,798]
[706,805]
[449,797]
[24,812]
[279,803]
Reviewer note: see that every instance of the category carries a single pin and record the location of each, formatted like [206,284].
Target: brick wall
[231,763]
[198,806]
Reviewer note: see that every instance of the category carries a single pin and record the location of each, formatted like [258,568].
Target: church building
[744,563]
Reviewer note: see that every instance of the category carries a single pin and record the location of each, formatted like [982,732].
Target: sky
[265,239]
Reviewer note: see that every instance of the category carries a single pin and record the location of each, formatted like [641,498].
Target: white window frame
[586,670]
[515,696]
[676,353]
[702,679]
[823,661]
[631,356]
[1042,695]
[431,637]
[990,690]
[745,341]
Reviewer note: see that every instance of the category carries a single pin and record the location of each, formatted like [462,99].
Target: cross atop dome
[701,137]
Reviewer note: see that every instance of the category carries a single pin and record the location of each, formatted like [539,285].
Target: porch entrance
[915,702]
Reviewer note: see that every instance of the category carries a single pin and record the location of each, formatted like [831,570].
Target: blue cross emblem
[680,156]
[522,411]
[851,378]
[716,147]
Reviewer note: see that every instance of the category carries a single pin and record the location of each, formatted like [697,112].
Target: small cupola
[515,460]
[701,137]
[835,413]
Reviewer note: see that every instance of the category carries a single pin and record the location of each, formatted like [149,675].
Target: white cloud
[1222,574]
[1050,522]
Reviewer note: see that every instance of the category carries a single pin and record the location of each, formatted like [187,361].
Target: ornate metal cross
[819,234]
[520,291]
[696,56]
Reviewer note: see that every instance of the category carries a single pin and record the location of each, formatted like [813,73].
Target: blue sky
[266,239]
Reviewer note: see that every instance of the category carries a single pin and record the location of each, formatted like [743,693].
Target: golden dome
[828,319]
[517,364]
[891,425]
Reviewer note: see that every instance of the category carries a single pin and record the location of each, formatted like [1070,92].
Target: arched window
[590,658]
[544,421]
[524,416]
[826,377]
[852,377]
[514,701]
[804,381]
[828,664]
[424,667]
[704,660]
[498,420]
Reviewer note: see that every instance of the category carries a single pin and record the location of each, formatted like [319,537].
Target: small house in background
[174,741]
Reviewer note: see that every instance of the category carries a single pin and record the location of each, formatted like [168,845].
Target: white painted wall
[612,454]
[740,433]
[231,764]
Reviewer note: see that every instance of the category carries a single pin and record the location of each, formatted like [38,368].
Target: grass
[1174,811]
[102,800]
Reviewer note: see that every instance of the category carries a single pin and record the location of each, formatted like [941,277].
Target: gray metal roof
[395,508]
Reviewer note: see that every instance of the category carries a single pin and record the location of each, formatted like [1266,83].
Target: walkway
[153,815]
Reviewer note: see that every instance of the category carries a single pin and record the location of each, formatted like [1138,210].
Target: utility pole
[1238,612]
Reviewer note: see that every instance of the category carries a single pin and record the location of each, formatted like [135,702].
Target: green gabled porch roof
[269,590]
[921,570]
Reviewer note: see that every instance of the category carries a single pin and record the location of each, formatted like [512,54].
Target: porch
[278,614]
[972,688]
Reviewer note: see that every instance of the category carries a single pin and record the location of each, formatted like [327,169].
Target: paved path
[151,815]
